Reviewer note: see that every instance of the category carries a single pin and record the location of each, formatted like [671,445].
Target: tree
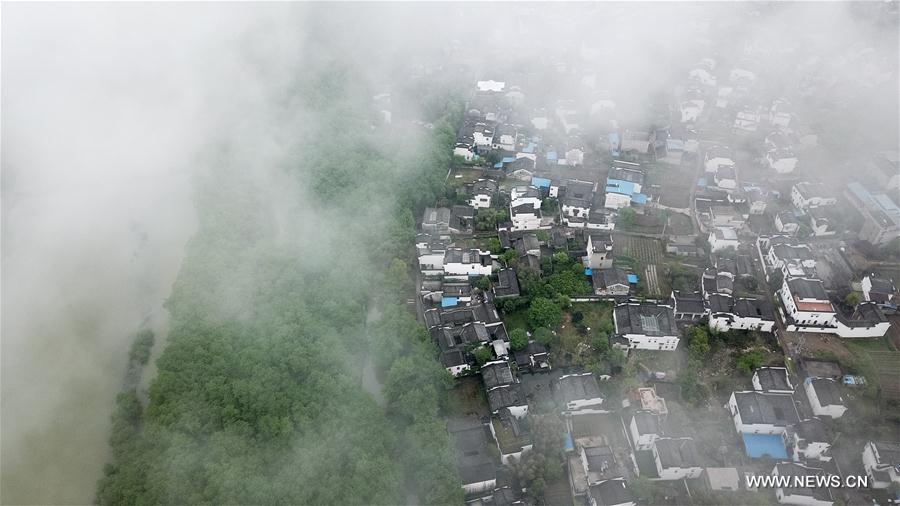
[508,256]
[542,235]
[627,218]
[518,339]
[482,355]
[698,342]
[544,336]
[749,361]
[483,283]
[494,246]
[852,299]
[544,312]
[141,347]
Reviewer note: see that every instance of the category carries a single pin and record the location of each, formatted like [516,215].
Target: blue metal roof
[529,148]
[701,182]
[508,159]
[632,278]
[540,182]
[759,445]
[675,144]
[638,198]
[498,165]
[449,301]
[619,186]
[568,444]
[551,155]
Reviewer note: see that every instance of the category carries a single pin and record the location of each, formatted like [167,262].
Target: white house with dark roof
[646,326]
[881,460]
[721,238]
[611,282]
[787,223]
[644,428]
[483,191]
[579,391]
[470,262]
[879,290]
[575,205]
[522,195]
[772,379]
[762,413]
[676,458]
[525,217]
[785,253]
[743,314]
[688,306]
[806,302]
[473,455]
[510,397]
[599,250]
[810,441]
[806,195]
[497,373]
[801,496]
[825,397]
[611,492]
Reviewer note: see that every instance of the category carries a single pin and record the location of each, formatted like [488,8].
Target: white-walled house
[806,195]
[611,492]
[676,458]
[525,217]
[599,250]
[801,496]
[787,223]
[806,302]
[483,191]
[579,391]
[644,429]
[772,379]
[744,314]
[473,456]
[716,156]
[761,412]
[525,195]
[646,326]
[464,263]
[810,441]
[825,397]
[882,463]
[722,238]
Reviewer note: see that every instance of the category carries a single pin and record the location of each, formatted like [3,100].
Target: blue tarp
[568,445]
[632,278]
[449,301]
[759,445]
[551,156]
[588,272]
[540,182]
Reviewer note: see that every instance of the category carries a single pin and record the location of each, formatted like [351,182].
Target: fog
[116,117]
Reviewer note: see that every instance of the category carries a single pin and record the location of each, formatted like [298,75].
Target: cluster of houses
[774,424]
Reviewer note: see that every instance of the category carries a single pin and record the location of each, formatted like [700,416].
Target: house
[721,238]
[772,379]
[761,412]
[430,254]
[574,157]
[612,282]
[483,191]
[881,216]
[525,195]
[676,458]
[473,457]
[810,441]
[866,320]
[882,291]
[825,397]
[462,218]
[716,156]
[780,113]
[512,436]
[724,214]
[758,201]
[820,222]
[644,429]
[455,361]
[743,314]
[611,492]
[507,285]
[527,244]
[806,195]
[882,463]
[726,177]
[576,203]
[747,120]
[497,374]
[599,250]
[806,302]
[801,495]
[884,170]
[578,391]
[504,138]
[598,219]
[470,262]
[646,326]
[490,86]
[510,398]
[786,223]
[533,358]
[436,220]
[787,254]
[780,155]
[525,217]
[623,185]
[688,306]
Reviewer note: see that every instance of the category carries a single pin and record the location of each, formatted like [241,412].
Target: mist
[223,160]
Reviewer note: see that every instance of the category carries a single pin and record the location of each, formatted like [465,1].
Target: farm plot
[642,249]
[885,365]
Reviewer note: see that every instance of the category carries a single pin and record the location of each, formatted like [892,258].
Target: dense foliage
[259,396]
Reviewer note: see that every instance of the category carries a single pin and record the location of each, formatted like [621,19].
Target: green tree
[544,336]
[852,299]
[518,339]
[483,283]
[627,218]
[749,361]
[544,312]
[141,347]
[494,246]
[482,355]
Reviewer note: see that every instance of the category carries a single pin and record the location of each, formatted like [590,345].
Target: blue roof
[759,445]
[614,143]
[701,182]
[529,148]
[588,271]
[540,182]
[551,155]
[675,144]
[638,198]
[508,159]
[619,186]
[859,191]
[632,278]
[449,301]
[498,165]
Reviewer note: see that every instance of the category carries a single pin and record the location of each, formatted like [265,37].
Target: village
[657,313]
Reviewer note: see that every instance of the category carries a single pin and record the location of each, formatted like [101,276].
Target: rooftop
[497,373]
[574,387]
[506,396]
[792,469]
[773,378]
[677,452]
[766,408]
[611,492]
[473,458]
[645,319]
[827,390]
